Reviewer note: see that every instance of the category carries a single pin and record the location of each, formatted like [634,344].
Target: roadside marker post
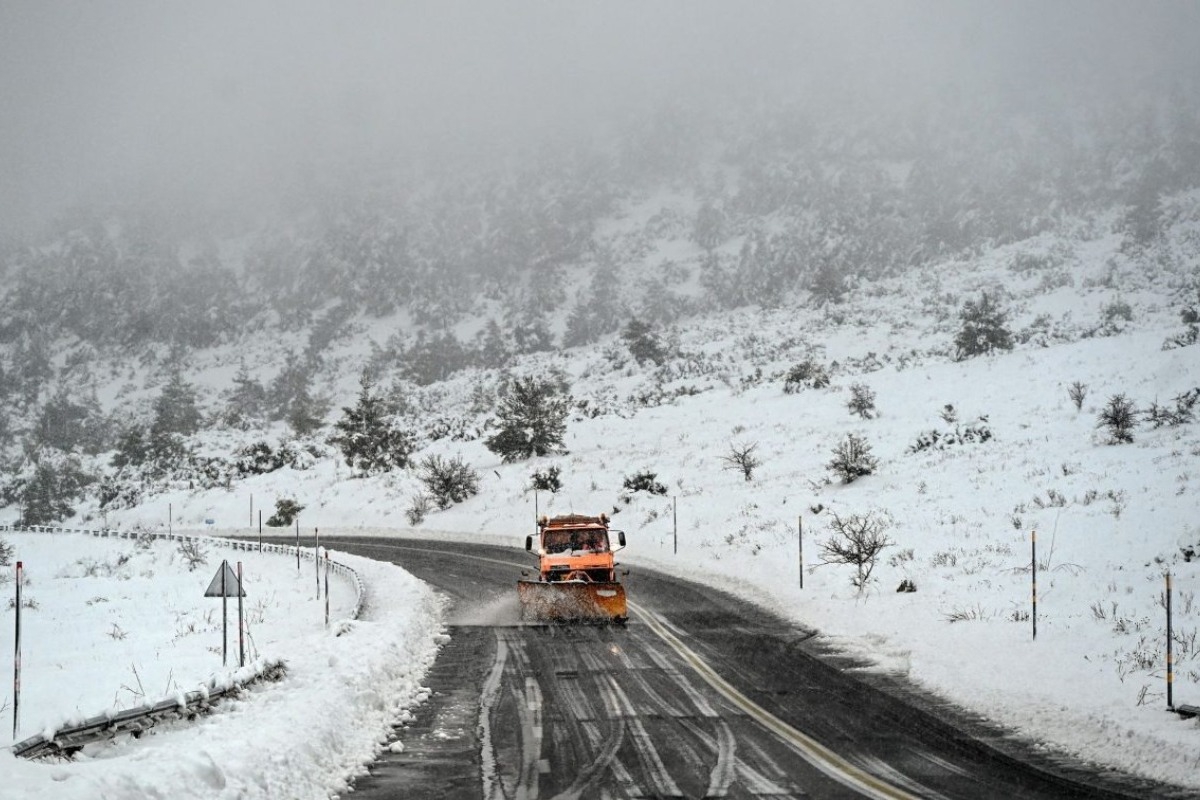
[241,618]
[260,530]
[1170,651]
[675,523]
[327,588]
[17,655]
[800,546]
[297,545]
[1033,616]
[317,558]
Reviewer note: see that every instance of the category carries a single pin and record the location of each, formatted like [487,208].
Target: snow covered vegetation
[919,333]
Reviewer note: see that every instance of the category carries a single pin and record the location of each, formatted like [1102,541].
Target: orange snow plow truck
[577,578]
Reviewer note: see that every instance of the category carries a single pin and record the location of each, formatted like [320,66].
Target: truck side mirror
[529,543]
[621,538]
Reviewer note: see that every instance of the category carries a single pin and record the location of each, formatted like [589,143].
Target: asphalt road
[701,695]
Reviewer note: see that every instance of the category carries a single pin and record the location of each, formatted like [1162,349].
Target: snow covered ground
[117,622]
[1109,518]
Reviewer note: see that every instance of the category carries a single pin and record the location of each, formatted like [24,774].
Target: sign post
[326,588]
[297,544]
[220,586]
[317,558]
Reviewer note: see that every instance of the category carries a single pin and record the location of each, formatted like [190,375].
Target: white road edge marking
[805,746]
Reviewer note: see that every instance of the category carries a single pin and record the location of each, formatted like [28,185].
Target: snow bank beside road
[301,737]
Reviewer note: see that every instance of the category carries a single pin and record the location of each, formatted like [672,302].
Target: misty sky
[171,100]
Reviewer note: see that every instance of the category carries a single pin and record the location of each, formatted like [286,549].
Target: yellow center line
[805,746]
[808,748]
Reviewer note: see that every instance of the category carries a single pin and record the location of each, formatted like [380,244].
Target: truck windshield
[575,541]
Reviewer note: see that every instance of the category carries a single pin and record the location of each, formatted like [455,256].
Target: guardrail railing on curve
[137,720]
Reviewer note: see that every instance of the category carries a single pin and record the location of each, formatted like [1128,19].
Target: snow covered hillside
[972,456]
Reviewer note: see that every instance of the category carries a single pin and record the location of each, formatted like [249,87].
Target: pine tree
[307,413]
[367,438]
[983,329]
[532,420]
[246,401]
[643,343]
[175,410]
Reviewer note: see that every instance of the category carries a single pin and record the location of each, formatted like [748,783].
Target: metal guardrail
[136,721]
[71,738]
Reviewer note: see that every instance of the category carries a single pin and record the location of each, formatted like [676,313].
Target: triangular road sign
[232,589]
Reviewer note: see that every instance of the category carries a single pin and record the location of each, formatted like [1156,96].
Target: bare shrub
[193,553]
[1077,392]
[1183,411]
[852,459]
[857,539]
[741,458]
[862,401]
[420,505]
[6,553]
[1120,418]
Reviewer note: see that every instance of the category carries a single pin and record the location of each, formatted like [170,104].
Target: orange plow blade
[572,601]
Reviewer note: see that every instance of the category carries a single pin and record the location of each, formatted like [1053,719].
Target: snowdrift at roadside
[302,737]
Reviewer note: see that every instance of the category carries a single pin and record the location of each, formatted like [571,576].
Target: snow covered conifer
[643,343]
[532,420]
[1120,418]
[368,439]
[175,410]
[983,330]
[852,459]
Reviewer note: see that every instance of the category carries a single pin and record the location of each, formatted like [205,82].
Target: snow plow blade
[572,601]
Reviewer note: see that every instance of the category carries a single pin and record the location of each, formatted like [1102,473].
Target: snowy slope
[1109,517]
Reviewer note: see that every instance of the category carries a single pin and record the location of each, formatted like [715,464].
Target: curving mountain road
[701,695]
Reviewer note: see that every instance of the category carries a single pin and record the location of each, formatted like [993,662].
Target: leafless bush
[741,458]
[1077,392]
[193,554]
[973,613]
[6,553]
[421,505]
[857,539]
